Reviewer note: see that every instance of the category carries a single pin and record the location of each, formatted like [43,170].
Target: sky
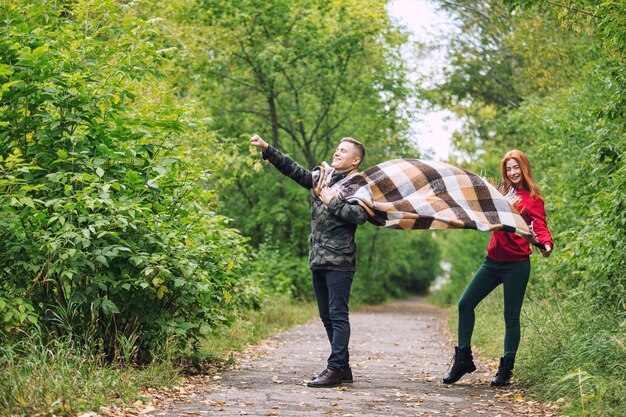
[433,130]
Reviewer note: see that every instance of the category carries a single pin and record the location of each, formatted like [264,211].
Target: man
[332,257]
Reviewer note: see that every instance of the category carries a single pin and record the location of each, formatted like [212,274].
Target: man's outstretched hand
[258,142]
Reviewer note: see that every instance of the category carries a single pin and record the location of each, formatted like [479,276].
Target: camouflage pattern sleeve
[352,213]
[289,167]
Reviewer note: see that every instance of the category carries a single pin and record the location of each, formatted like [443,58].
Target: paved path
[399,352]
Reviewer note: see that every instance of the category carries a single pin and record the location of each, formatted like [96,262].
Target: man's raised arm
[283,163]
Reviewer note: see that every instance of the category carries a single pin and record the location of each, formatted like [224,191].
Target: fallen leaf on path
[147,409]
[214,403]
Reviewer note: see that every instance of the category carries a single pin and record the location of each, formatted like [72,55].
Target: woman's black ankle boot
[505,372]
[463,364]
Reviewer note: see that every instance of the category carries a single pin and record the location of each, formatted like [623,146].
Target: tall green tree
[498,60]
[303,75]
[305,72]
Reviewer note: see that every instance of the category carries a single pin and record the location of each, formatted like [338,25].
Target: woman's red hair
[528,181]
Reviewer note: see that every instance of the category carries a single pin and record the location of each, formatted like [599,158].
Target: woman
[507,263]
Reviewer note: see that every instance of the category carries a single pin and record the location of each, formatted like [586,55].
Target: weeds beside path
[399,353]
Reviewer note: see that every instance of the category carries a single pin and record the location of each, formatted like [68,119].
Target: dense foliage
[124,166]
[548,78]
[304,74]
[123,132]
[107,233]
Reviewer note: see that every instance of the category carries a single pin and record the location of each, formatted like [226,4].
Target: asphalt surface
[399,353]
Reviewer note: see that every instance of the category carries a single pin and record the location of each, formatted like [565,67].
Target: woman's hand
[547,251]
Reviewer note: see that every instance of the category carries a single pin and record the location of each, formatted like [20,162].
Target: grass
[571,353]
[277,314]
[60,379]
[576,352]
[38,379]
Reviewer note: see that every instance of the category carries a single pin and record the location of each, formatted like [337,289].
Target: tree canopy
[547,77]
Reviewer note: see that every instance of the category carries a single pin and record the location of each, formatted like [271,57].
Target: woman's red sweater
[509,247]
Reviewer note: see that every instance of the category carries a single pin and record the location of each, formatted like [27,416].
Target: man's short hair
[358,145]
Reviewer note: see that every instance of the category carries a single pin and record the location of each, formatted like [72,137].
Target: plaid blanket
[417,194]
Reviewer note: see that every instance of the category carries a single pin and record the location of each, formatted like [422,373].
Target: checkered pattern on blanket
[417,194]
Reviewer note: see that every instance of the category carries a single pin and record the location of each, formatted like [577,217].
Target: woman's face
[514,172]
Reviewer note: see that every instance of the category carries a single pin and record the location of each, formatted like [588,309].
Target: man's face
[345,157]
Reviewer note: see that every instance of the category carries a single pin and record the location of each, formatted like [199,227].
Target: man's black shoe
[346,375]
[327,379]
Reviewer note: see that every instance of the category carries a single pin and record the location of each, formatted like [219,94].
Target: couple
[333,256]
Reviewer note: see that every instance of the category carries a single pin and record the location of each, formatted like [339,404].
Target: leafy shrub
[393,263]
[277,271]
[102,224]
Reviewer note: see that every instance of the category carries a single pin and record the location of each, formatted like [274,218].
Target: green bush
[278,272]
[107,234]
[393,263]
[567,69]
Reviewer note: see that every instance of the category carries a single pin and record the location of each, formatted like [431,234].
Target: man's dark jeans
[332,291]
